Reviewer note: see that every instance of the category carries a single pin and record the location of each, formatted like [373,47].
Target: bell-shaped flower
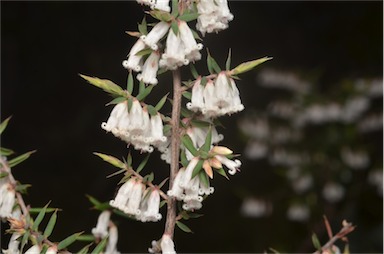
[135,198]
[35,249]
[115,117]
[197,99]
[232,165]
[7,200]
[13,245]
[167,245]
[52,250]
[162,5]
[213,16]
[101,229]
[150,208]
[174,55]
[123,195]
[150,67]
[177,191]
[156,34]
[191,47]
[113,236]
[134,62]
[157,135]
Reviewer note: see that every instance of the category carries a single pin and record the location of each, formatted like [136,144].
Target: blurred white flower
[355,159]
[167,245]
[372,122]
[354,108]
[7,199]
[101,229]
[298,212]
[375,178]
[302,183]
[112,240]
[284,80]
[256,208]
[256,150]
[333,192]
[255,128]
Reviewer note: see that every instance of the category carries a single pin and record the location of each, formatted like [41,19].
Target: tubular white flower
[151,213]
[115,117]
[35,249]
[174,55]
[123,195]
[197,100]
[7,200]
[187,176]
[101,229]
[134,61]
[176,190]
[112,240]
[162,5]
[167,245]
[157,130]
[191,47]
[51,250]
[213,16]
[150,67]
[13,245]
[135,199]
[210,108]
[232,165]
[154,36]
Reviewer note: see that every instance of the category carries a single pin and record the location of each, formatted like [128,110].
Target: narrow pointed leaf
[20,159]
[116,101]
[204,178]
[247,66]
[141,87]
[183,158]
[38,210]
[5,151]
[141,96]
[22,188]
[151,110]
[187,95]
[130,83]
[51,224]
[93,200]
[195,215]
[162,203]
[194,72]
[175,8]
[39,217]
[133,34]
[175,27]
[163,182]
[86,238]
[222,172]
[111,160]
[161,103]
[104,84]
[228,62]
[68,241]
[117,173]
[213,67]
[161,15]
[187,142]
[4,124]
[208,141]
[197,169]
[189,16]
[183,227]
[25,238]
[200,124]
[85,249]
[44,249]
[143,27]
[316,242]
[144,52]
[129,160]
[3,174]
[100,247]
[142,164]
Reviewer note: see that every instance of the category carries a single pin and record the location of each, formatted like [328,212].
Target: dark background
[44,45]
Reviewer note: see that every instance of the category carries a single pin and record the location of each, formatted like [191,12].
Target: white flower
[135,199]
[101,229]
[162,5]
[355,159]
[123,195]
[157,135]
[7,200]
[253,207]
[150,208]
[298,212]
[112,241]
[154,36]
[191,47]
[232,165]
[155,248]
[176,190]
[333,192]
[213,16]
[134,62]
[52,250]
[116,116]
[197,99]
[146,2]
[13,245]
[150,67]
[354,107]
[35,249]
[167,245]
[256,150]
[174,55]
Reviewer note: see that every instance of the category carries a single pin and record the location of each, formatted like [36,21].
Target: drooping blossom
[156,34]
[101,229]
[167,245]
[134,62]
[150,207]
[150,67]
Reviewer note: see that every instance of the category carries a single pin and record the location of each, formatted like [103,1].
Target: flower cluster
[218,97]
[7,198]
[133,199]
[135,126]
[105,227]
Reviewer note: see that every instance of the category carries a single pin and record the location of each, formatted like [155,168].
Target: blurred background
[310,136]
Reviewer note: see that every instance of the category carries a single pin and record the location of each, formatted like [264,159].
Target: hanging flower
[33,250]
[134,62]
[213,16]
[123,195]
[167,245]
[113,236]
[157,135]
[7,199]
[191,47]
[146,2]
[101,229]
[154,36]
[174,55]
[13,245]
[197,99]
[150,67]
[162,5]
[119,112]
[150,207]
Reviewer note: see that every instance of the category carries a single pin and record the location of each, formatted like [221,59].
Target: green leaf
[161,15]
[141,96]
[197,168]
[4,124]
[39,217]
[24,240]
[228,62]
[38,210]
[162,203]
[175,8]
[222,172]
[3,174]
[20,159]
[103,206]
[44,249]
[213,67]
[100,247]
[51,224]
[143,27]
[116,101]
[143,163]
[86,238]
[189,16]
[5,151]
[163,182]
[183,158]
[85,249]
[129,160]
[247,66]
[204,178]
[22,188]
[175,27]
[161,103]
[141,87]
[316,242]
[183,227]
[105,84]
[194,72]
[130,82]
[195,215]
[151,110]
[111,160]
[144,52]
[203,81]
[148,178]
[93,200]
[187,142]
[208,141]
[68,241]
[187,95]
[117,173]
[130,102]
[200,124]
